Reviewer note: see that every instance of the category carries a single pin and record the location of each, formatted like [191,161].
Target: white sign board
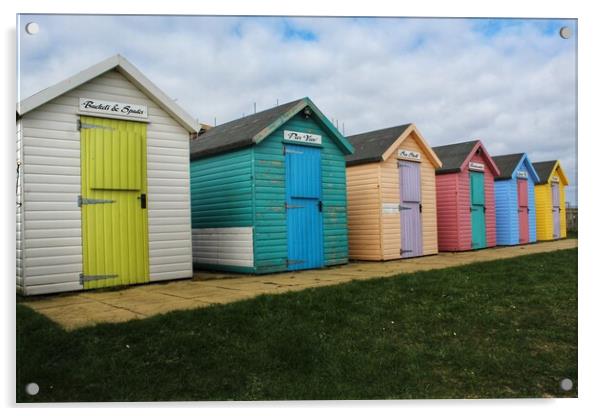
[297,136]
[390,208]
[555,179]
[476,166]
[92,105]
[408,155]
[521,174]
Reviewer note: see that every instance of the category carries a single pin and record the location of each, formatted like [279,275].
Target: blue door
[304,207]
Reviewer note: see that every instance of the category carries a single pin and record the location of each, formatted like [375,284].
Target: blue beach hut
[515,199]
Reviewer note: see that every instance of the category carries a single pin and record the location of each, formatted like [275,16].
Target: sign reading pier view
[476,166]
[408,155]
[92,105]
[297,136]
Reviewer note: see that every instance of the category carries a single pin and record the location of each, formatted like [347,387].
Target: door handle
[142,199]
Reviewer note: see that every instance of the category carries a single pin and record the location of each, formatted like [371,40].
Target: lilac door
[556,209]
[410,209]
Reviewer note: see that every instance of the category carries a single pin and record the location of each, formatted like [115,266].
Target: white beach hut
[103,193]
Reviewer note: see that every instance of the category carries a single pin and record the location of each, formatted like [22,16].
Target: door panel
[410,209]
[523,211]
[556,209]
[114,222]
[304,207]
[477,209]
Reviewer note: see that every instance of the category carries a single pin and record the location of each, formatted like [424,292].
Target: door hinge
[90,201]
[420,208]
[287,206]
[320,206]
[92,277]
[81,126]
[290,262]
[402,208]
[402,251]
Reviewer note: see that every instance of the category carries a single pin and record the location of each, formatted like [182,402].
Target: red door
[523,211]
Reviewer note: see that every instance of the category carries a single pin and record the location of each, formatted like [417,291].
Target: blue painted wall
[506,206]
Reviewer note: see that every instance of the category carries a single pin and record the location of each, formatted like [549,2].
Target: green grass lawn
[497,329]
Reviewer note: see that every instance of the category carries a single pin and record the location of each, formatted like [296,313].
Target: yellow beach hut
[391,195]
[550,200]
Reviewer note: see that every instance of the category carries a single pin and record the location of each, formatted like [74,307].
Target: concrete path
[76,310]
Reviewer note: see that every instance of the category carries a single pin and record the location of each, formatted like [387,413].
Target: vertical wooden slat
[115,234]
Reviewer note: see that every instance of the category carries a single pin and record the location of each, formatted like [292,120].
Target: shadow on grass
[506,328]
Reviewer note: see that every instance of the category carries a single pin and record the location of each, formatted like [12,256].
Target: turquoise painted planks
[270,230]
[221,190]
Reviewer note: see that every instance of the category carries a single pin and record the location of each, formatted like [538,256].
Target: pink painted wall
[447,211]
[464,221]
[453,209]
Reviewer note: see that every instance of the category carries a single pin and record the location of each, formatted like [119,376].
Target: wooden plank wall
[390,224]
[51,234]
[543,209]
[447,211]
[270,221]
[364,212]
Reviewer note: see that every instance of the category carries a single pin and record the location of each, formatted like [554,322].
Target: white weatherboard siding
[231,246]
[19,230]
[51,180]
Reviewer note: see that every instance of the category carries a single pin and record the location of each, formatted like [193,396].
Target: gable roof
[254,128]
[546,169]
[455,157]
[377,145]
[370,146]
[122,65]
[508,164]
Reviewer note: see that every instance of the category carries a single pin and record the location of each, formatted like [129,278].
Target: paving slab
[76,310]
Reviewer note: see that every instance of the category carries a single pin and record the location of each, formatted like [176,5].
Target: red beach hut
[465,197]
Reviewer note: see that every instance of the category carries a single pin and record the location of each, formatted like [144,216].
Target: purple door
[410,209]
[556,209]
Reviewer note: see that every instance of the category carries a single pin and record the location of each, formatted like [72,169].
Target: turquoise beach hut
[268,192]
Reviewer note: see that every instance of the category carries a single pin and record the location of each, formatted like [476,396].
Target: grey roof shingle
[236,133]
[453,155]
[506,164]
[370,146]
[544,170]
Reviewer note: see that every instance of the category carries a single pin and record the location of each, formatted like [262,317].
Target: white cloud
[514,90]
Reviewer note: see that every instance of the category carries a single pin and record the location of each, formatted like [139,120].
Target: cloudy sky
[509,82]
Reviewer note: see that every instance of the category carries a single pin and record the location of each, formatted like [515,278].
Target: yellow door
[113,202]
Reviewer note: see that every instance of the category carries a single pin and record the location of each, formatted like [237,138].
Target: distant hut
[391,195]
[465,197]
[550,200]
[515,200]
